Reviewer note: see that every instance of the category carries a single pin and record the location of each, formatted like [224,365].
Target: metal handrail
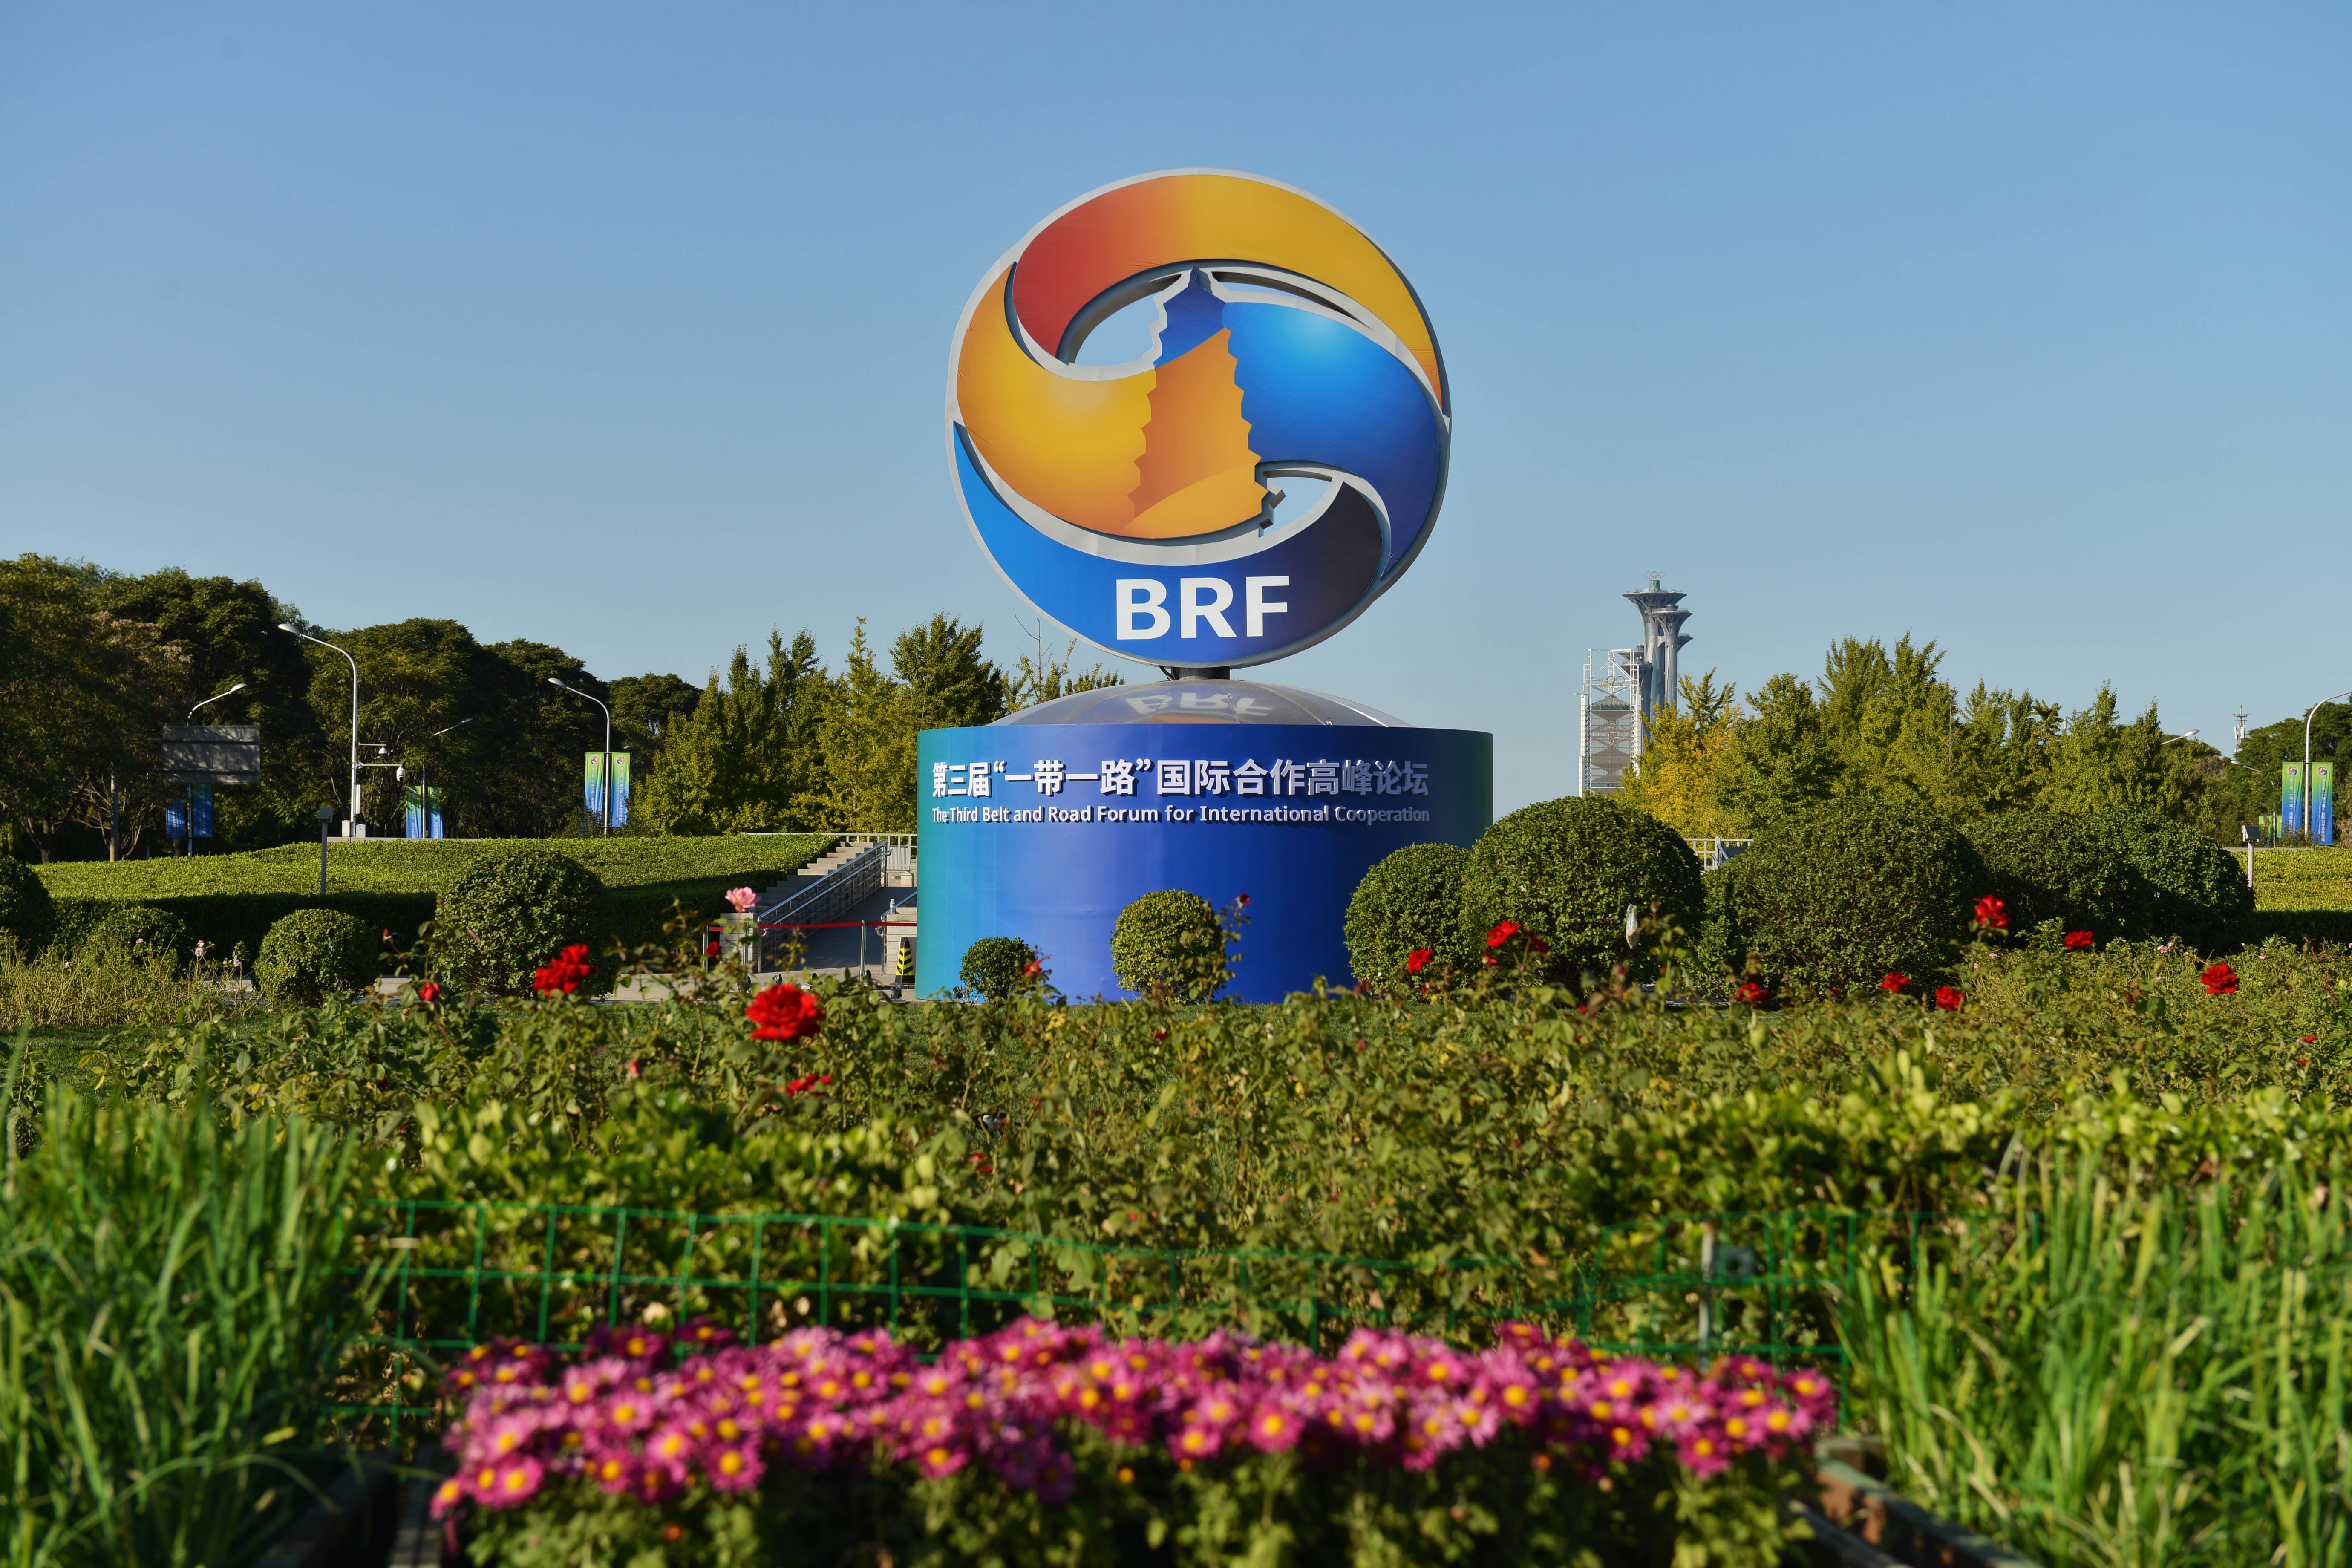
[852,879]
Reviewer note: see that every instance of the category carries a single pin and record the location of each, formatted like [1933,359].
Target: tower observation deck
[1619,696]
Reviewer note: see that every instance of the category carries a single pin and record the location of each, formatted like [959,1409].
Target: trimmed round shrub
[137,931]
[998,967]
[1566,869]
[2190,887]
[1171,938]
[2046,867]
[1725,937]
[313,953]
[1412,899]
[26,911]
[1837,895]
[506,917]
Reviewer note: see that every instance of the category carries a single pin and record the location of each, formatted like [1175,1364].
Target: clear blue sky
[2020,327]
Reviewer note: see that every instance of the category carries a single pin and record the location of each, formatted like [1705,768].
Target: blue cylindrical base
[1061,842]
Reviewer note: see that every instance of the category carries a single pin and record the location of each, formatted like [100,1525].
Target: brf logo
[1135,503]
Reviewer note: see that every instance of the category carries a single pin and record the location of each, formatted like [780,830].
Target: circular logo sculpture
[1131,502]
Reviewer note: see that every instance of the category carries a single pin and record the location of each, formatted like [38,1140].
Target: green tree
[1780,759]
[228,632]
[745,753]
[2099,764]
[1680,775]
[644,707]
[83,695]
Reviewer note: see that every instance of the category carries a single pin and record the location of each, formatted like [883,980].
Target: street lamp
[605,789]
[2306,757]
[322,642]
[209,701]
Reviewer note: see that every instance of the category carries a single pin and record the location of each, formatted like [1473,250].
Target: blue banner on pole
[594,796]
[423,823]
[2291,798]
[188,800]
[2323,803]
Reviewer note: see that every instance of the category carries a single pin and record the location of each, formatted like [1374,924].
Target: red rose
[1992,913]
[1894,982]
[570,968]
[429,993]
[1541,947]
[1417,960]
[2220,979]
[1504,932]
[784,1012]
[2079,941]
[1948,999]
[1753,993]
[1243,900]
[1034,969]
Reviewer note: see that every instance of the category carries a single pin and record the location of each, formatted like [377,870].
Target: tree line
[1885,723]
[94,663]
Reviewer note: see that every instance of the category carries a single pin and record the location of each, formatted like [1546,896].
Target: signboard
[2291,797]
[2323,803]
[228,754]
[1047,832]
[424,815]
[594,777]
[1131,503]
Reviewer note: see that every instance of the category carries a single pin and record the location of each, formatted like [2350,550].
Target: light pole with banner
[604,784]
[188,785]
[2307,763]
[355,825]
[424,779]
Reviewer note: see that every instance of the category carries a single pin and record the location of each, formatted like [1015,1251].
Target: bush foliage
[1411,899]
[506,917]
[138,930]
[997,967]
[1566,870]
[314,954]
[2190,887]
[1169,941]
[2047,867]
[1839,895]
[26,913]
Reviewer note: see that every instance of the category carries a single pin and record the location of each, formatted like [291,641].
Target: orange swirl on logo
[1164,454]
[1167,219]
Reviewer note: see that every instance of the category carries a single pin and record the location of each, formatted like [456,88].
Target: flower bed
[822,1443]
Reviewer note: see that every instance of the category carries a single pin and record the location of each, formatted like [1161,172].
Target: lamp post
[187,795]
[2306,757]
[322,642]
[604,788]
[425,776]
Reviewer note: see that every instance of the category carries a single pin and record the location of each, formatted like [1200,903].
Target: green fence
[1730,1283]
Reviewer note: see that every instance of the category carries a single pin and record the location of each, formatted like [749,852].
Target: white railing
[1714,852]
[836,893]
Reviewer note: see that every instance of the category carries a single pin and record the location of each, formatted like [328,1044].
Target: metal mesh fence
[1755,1284]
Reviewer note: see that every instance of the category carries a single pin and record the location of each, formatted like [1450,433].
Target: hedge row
[631,915]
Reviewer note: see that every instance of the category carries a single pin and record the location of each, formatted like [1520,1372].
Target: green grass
[396,866]
[174,1299]
[2302,879]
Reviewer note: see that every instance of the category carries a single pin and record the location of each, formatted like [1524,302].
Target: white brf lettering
[1206,599]
[1139,597]
[1257,606]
